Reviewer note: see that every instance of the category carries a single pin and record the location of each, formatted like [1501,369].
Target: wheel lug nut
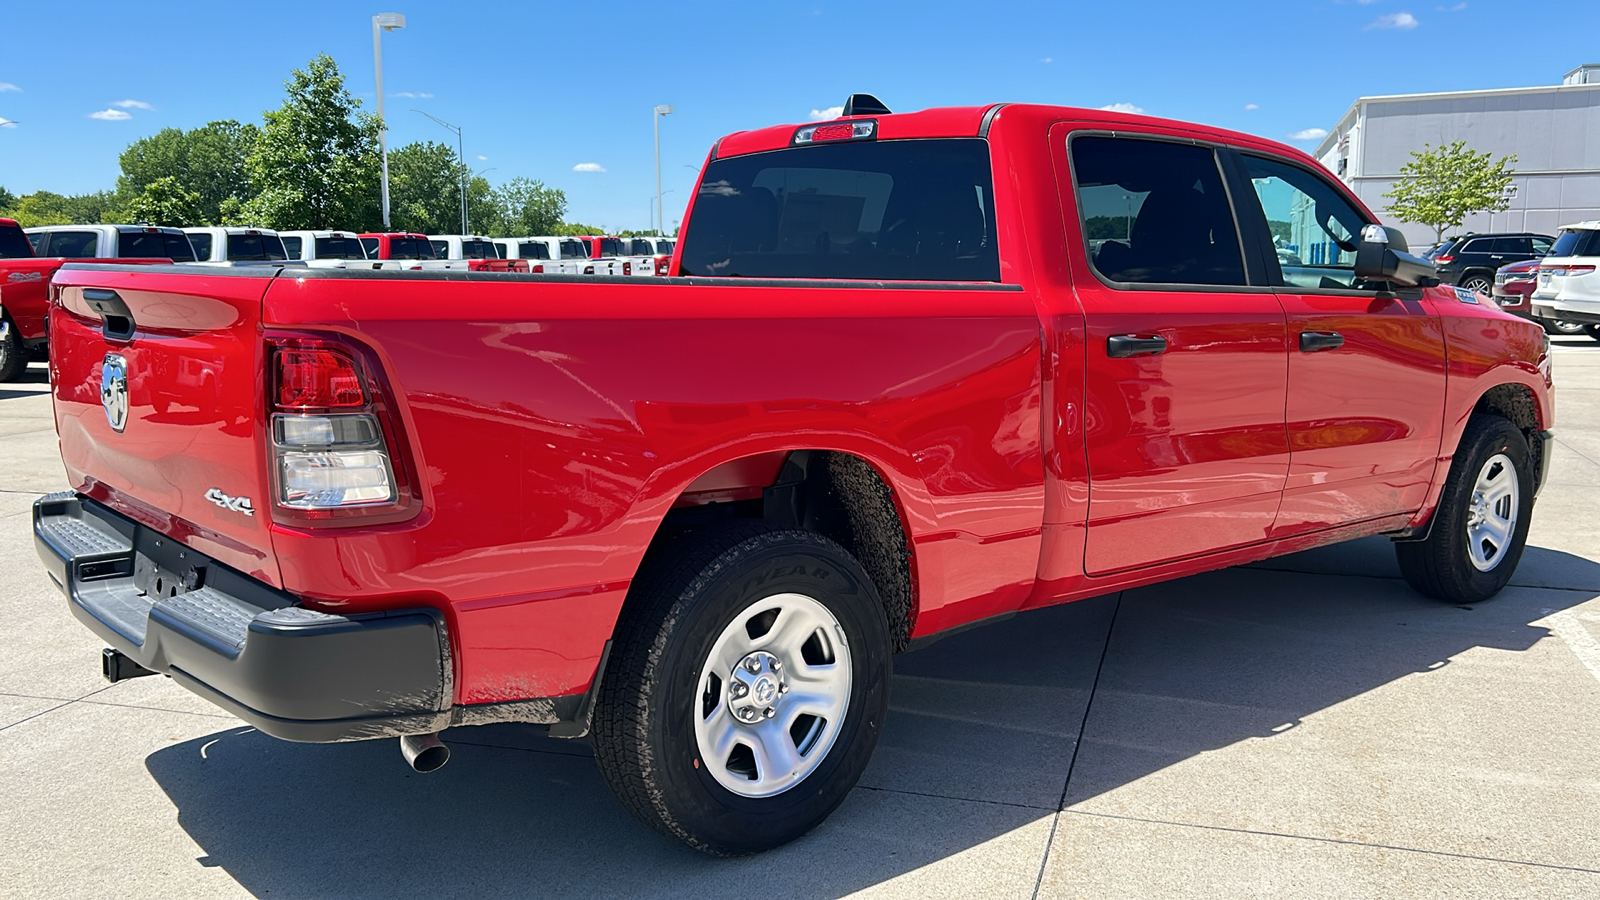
[783,689]
[753,664]
[769,712]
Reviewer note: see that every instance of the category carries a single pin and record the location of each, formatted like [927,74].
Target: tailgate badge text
[237,504]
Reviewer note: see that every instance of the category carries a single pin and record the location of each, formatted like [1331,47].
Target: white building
[1553,130]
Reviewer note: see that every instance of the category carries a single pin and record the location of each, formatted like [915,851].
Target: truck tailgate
[174,358]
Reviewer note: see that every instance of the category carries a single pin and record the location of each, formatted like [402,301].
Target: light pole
[656,120]
[461,154]
[380,23]
[661,214]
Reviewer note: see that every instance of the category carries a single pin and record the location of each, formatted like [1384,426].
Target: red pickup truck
[25,278]
[916,371]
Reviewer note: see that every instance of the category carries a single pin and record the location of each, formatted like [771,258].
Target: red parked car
[910,379]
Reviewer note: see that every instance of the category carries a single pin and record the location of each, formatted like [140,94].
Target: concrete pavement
[1306,726]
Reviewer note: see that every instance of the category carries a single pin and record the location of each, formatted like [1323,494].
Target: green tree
[8,200]
[315,163]
[575,228]
[527,207]
[1441,186]
[209,162]
[166,202]
[50,208]
[425,189]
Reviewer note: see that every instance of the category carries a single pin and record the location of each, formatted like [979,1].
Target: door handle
[1312,341]
[1119,346]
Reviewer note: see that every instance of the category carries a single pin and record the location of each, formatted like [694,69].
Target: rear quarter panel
[555,422]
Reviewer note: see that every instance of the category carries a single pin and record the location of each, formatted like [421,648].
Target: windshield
[255,247]
[155,245]
[478,250]
[869,210]
[1577,242]
[533,250]
[574,250]
[339,248]
[411,248]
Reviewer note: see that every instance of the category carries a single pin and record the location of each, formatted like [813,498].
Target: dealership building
[1554,130]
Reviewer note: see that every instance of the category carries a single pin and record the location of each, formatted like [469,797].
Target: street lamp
[656,120]
[380,23]
[461,158]
[660,214]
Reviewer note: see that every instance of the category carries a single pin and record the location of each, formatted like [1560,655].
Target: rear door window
[441,249]
[371,246]
[74,244]
[863,210]
[292,246]
[1519,247]
[1155,212]
[1478,246]
[201,244]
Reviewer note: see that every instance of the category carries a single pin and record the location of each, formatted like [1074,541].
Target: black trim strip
[988,118]
[675,281]
[254,271]
[716,146]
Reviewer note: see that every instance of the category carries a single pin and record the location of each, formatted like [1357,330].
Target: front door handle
[1312,341]
[1119,346]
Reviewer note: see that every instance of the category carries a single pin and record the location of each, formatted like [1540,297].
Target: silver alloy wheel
[772,695]
[1479,284]
[1492,512]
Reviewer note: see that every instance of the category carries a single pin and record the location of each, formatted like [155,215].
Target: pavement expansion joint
[1331,840]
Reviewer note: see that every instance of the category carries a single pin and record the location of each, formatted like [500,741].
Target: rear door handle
[1312,341]
[1119,346]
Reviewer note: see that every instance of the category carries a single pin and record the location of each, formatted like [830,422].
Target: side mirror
[1382,256]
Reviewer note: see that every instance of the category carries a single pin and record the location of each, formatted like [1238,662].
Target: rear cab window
[915,210]
[255,247]
[574,250]
[201,244]
[293,246]
[533,250]
[477,250]
[441,249]
[155,245]
[411,248]
[339,248]
[74,244]
[371,246]
[14,244]
[610,247]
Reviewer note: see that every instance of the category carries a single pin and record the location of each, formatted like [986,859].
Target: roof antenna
[864,105]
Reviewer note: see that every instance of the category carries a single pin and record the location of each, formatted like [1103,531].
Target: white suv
[1568,289]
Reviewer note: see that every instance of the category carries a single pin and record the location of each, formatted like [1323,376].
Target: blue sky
[542,88]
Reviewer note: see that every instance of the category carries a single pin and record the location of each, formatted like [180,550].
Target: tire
[13,357]
[683,652]
[1553,326]
[1478,282]
[1592,331]
[1493,457]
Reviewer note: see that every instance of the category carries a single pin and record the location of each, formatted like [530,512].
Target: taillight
[627,268]
[837,131]
[1566,270]
[588,270]
[337,449]
[536,269]
[663,265]
[1444,260]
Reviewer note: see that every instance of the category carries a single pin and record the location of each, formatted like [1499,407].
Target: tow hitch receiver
[118,667]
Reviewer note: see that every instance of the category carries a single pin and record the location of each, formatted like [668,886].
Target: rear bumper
[1566,312]
[292,672]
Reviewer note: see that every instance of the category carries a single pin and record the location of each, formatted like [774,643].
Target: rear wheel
[1552,326]
[1480,527]
[13,358]
[1479,283]
[746,689]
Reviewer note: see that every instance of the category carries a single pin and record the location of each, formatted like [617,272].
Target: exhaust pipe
[424,752]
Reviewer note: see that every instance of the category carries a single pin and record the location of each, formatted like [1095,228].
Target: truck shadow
[994,715]
[33,382]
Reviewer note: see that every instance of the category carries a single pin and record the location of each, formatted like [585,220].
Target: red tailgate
[189,458]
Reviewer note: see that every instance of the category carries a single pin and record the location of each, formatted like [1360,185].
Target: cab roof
[975,121]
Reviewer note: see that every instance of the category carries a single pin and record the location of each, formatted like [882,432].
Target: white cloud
[1308,134]
[7,123]
[588,167]
[1402,20]
[1250,106]
[110,115]
[132,104]
[832,112]
[481,157]
[1122,108]
[412,95]
[8,86]
[1046,59]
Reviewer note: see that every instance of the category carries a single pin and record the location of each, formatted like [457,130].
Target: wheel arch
[1519,404]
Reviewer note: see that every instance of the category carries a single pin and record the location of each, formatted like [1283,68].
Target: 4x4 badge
[114,390]
[237,504]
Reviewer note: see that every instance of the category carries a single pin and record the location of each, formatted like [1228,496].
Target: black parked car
[1471,260]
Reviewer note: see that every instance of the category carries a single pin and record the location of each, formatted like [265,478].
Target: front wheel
[747,687]
[1480,527]
[1481,284]
[13,358]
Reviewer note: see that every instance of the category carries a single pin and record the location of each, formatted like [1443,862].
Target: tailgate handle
[116,318]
